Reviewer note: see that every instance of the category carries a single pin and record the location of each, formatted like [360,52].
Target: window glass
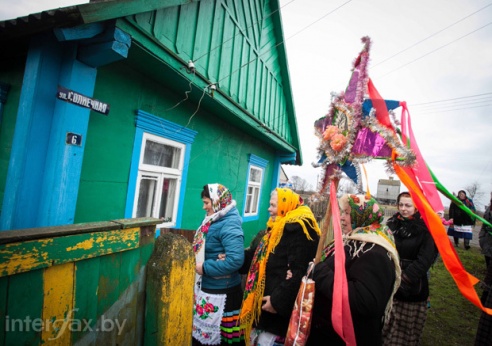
[168,198]
[255,175]
[253,191]
[159,154]
[146,196]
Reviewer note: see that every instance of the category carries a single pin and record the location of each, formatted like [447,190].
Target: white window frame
[256,187]
[160,173]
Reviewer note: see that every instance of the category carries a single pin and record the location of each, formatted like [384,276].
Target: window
[253,192]
[159,170]
[159,179]
[256,172]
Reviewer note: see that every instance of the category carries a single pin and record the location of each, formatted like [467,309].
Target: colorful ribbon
[458,202]
[421,173]
[341,316]
[464,280]
[379,105]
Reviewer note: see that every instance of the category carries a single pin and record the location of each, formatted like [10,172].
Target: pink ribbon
[341,317]
[420,173]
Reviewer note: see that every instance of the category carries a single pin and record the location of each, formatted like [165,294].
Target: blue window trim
[254,160]
[149,123]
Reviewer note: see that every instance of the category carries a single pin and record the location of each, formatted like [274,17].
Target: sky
[435,55]
[423,52]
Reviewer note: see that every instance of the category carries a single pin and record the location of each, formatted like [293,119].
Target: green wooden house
[123,109]
[113,115]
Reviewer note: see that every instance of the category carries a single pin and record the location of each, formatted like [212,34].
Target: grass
[453,319]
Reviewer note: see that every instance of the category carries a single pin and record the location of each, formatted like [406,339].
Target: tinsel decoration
[348,122]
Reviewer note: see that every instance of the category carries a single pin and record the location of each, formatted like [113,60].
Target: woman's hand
[289,274]
[267,305]
[221,257]
[199,268]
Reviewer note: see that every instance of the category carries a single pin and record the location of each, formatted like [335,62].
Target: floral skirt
[216,317]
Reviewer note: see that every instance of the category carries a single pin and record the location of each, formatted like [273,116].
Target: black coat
[370,277]
[459,216]
[294,252]
[417,252]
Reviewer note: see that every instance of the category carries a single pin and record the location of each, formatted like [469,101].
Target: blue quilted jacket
[224,236]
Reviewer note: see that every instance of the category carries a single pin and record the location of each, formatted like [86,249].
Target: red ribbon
[341,317]
[379,105]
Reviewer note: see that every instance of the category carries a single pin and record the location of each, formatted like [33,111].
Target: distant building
[388,190]
[283,179]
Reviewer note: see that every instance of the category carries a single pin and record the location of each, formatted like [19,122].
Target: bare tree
[300,184]
[475,192]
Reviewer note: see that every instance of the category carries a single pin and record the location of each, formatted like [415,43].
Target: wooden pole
[326,224]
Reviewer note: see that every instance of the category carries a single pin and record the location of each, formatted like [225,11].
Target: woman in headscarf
[289,244]
[372,271]
[463,223]
[218,293]
[417,252]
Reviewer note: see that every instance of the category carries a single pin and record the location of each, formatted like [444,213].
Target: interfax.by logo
[61,325]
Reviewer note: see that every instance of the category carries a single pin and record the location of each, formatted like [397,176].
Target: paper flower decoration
[338,142]
[329,132]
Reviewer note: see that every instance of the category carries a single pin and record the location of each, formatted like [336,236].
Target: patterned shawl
[222,203]
[289,210]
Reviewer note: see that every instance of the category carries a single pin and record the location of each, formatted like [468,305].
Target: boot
[467,243]
[456,241]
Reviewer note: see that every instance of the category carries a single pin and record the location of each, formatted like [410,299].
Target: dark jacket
[417,252]
[370,277]
[459,216]
[485,235]
[224,236]
[484,330]
[294,252]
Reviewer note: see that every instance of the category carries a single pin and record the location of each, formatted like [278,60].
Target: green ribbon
[457,201]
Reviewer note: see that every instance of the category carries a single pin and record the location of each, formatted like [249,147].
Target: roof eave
[96,11]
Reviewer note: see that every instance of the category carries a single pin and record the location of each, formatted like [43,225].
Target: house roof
[91,12]
[389,182]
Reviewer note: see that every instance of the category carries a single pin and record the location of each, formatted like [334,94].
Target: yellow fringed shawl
[289,210]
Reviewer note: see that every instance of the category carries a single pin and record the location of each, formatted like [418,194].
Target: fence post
[169,292]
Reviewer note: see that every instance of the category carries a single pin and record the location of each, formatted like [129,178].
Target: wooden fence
[81,284]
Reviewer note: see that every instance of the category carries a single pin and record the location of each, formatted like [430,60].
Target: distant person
[443,219]
[417,253]
[218,293]
[276,267]
[462,222]
[485,236]
[373,274]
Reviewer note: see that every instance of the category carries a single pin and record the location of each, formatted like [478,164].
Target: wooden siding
[234,44]
[69,284]
[219,153]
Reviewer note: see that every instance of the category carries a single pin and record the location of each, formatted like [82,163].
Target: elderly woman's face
[345,220]
[273,208]
[461,195]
